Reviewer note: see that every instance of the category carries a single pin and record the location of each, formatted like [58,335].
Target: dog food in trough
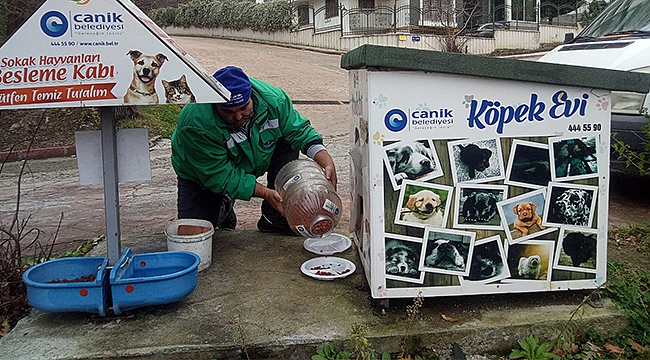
[86,278]
[82,284]
[311,205]
[63,285]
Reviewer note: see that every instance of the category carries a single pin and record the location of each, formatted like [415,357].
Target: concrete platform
[253,302]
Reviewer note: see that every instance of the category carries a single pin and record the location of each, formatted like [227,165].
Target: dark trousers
[197,202]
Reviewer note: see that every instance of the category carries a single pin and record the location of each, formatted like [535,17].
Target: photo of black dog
[447,255]
[570,206]
[530,165]
[486,262]
[479,205]
[581,248]
[575,157]
[402,258]
[411,161]
[475,158]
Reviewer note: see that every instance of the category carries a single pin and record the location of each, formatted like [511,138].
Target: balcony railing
[409,19]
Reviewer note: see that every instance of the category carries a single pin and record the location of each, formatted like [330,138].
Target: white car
[619,39]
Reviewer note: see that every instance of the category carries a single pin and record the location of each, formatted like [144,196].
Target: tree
[13,13]
[593,9]
[551,9]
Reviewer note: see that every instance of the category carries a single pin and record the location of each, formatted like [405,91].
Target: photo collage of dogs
[492,211]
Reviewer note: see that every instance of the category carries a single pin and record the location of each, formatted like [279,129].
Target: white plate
[327,245]
[328,268]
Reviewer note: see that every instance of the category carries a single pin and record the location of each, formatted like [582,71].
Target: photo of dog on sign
[529,165]
[577,249]
[488,263]
[447,251]
[415,160]
[521,216]
[530,260]
[402,256]
[575,158]
[423,204]
[478,161]
[146,68]
[478,206]
[570,204]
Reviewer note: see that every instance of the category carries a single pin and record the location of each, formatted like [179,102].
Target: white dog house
[475,175]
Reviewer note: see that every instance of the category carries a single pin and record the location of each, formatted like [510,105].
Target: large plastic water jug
[310,203]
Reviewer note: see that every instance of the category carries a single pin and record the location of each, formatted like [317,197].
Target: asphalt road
[50,192]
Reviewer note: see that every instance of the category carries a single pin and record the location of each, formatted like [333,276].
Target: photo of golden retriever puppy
[146,68]
[526,217]
[423,207]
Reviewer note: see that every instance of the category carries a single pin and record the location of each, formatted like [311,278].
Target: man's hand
[270,195]
[324,159]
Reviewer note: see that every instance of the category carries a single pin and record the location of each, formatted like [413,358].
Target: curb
[37,154]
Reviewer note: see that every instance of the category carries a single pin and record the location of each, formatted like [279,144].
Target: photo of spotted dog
[402,256]
[570,204]
[447,251]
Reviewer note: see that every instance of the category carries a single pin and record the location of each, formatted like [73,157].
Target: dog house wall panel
[493,144]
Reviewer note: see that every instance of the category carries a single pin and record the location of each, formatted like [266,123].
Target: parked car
[487,30]
[619,38]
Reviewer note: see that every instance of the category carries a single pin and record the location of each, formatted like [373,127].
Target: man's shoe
[280,226]
[230,222]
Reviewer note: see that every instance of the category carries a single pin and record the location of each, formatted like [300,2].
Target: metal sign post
[111,185]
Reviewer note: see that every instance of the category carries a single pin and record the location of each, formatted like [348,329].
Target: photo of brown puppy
[146,68]
[526,217]
[423,207]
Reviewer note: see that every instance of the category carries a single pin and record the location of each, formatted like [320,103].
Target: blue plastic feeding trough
[152,278]
[82,284]
[70,284]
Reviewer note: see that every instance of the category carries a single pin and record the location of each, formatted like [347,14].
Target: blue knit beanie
[237,82]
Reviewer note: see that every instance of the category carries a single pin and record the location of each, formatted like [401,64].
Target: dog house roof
[374,57]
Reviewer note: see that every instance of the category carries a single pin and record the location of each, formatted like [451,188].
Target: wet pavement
[254,300]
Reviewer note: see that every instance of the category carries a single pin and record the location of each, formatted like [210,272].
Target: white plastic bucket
[199,243]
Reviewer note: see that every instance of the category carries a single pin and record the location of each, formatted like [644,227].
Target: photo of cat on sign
[178,91]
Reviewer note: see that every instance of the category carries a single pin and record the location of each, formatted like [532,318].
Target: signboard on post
[77,53]
[101,53]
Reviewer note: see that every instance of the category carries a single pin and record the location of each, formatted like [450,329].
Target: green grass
[636,235]
[158,119]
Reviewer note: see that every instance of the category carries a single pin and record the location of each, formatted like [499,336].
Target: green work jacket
[228,161]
